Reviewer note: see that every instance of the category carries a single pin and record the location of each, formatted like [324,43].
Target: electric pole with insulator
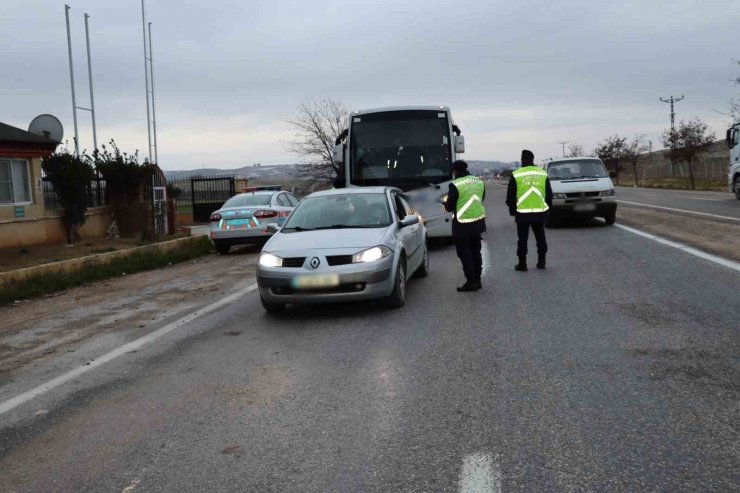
[563,142]
[672,100]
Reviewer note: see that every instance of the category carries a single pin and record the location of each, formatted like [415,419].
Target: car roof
[351,191]
[566,159]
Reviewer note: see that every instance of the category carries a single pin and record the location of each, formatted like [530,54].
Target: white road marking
[484,255]
[680,210]
[480,474]
[709,200]
[690,250]
[18,400]
[132,486]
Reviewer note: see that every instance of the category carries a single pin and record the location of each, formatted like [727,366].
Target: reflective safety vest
[530,189]
[470,199]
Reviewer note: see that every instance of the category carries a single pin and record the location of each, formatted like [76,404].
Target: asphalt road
[614,370]
[716,203]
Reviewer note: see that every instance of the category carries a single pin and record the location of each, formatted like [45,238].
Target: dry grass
[715,237]
[676,184]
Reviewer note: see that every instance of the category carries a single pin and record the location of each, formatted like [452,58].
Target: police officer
[529,197]
[465,201]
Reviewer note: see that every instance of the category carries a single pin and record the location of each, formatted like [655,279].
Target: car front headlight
[270,260]
[609,193]
[558,195]
[371,254]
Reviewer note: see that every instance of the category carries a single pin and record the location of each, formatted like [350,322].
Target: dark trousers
[468,250]
[522,230]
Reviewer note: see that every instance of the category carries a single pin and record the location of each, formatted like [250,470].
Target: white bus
[409,147]
[733,142]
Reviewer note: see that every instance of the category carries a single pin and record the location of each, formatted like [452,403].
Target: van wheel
[398,297]
[272,307]
[737,187]
[222,248]
[610,218]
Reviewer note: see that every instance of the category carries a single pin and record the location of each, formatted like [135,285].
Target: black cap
[527,153]
[459,165]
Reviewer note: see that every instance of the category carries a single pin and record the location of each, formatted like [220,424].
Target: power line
[563,142]
[672,100]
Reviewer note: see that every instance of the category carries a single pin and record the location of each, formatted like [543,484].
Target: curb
[101,258]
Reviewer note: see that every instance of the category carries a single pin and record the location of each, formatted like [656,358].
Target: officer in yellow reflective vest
[529,197]
[465,201]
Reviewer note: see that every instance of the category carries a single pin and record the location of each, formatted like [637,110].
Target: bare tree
[316,127]
[575,150]
[612,152]
[690,140]
[633,151]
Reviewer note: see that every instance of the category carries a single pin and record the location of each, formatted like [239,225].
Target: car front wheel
[398,297]
[611,218]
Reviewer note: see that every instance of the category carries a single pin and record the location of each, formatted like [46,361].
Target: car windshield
[407,149]
[577,169]
[366,210]
[248,199]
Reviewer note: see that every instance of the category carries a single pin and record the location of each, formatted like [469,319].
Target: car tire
[398,297]
[610,218]
[272,307]
[222,248]
[423,270]
[736,187]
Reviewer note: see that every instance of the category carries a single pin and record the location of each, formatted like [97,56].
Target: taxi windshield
[367,210]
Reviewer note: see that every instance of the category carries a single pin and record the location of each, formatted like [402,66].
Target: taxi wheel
[398,297]
[272,307]
[221,248]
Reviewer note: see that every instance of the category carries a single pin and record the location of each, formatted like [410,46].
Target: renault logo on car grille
[315,262]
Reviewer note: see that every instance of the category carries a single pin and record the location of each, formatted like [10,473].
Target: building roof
[19,142]
[13,134]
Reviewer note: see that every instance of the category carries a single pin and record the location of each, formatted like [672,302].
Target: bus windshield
[407,149]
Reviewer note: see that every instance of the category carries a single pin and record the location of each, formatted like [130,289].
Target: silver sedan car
[243,219]
[343,245]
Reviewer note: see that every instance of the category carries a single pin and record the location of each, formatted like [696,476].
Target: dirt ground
[126,306]
[712,236]
[20,257]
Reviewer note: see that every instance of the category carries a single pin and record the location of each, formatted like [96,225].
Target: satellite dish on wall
[47,126]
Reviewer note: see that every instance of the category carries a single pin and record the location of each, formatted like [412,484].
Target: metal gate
[209,194]
[156,192]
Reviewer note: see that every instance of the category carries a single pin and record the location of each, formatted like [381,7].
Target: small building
[24,219]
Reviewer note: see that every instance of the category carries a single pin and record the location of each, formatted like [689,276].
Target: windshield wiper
[299,229]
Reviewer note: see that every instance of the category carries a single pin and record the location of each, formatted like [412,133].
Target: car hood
[585,185]
[326,239]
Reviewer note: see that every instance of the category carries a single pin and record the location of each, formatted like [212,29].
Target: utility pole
[154,113]
[89,71]
[72,79]
[672,100]
[146,80]
[563,142]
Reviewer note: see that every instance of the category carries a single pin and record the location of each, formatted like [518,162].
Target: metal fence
[208,194]
[185,200]
[95,194]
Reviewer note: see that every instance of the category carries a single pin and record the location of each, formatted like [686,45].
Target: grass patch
[135,262]
[95,251]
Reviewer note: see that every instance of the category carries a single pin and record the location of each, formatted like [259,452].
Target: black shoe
[478,283]
[541,262]
[521,267]
[468,286]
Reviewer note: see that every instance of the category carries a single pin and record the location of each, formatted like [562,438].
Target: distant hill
[288,171]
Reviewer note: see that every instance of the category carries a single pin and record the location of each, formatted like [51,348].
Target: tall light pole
[154,113]
[146,80]
[563,142]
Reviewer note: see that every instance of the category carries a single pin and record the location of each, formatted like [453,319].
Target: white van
[581,186]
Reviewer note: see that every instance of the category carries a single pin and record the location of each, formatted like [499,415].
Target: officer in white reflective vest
[465,201]
[529,197]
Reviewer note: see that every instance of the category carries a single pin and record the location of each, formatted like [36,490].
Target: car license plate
[584,207]
[316,281]
[238,224]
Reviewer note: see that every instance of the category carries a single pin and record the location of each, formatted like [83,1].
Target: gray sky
[228,72]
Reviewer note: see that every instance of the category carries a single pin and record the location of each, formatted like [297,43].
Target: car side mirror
[338,154]
[409,220]
[612,174]
[273,228]
[460,144]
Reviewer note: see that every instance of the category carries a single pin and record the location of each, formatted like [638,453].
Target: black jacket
[529,217]
[476,228]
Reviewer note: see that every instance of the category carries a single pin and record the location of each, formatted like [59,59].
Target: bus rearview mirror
[459,144]
[338,152]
